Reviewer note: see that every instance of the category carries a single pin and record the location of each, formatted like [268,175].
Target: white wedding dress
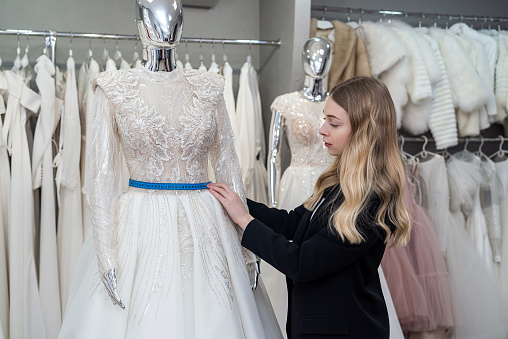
[181,270]
[309,157]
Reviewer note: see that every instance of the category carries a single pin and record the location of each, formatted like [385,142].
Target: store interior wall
[280,69]
[228,19]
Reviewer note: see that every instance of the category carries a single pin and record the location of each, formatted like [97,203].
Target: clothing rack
[466,139]
[421,15]
[51,37]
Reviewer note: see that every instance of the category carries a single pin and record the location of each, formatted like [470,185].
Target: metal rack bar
[73,35]
[467,139]
[422,15]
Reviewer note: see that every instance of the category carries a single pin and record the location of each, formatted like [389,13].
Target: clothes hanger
[224,54]
[70,46]
[201,64]
[249,57]
[135,56]
[405,155]
[435,21]
[479,153]
[424,153]
[323,23]
[17,61]
[105,54]
[118,54]
[501,154]
[90,55]
[24,61]
[214,67]
[187,63]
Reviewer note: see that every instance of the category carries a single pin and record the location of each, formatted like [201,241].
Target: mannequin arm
[273,156]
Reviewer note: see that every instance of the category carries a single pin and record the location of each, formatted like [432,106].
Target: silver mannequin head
[316,60]
[160,24]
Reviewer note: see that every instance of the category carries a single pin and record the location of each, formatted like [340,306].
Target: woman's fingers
[223,189]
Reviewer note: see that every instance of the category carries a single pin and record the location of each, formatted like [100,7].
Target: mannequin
[165,245]
[158,35]
[301,115]
[316,63]
[159,39]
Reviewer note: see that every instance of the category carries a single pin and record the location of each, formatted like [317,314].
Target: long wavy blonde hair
[370,164]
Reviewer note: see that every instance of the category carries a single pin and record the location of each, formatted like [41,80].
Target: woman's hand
[231,203]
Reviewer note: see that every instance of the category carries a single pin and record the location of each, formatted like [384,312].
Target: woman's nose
[322,130]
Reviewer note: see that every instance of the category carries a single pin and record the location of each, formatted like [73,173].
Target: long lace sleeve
[225,163]
[101,182]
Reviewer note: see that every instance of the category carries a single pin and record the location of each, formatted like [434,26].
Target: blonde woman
[330,247]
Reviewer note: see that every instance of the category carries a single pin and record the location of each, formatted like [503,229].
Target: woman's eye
[333,125]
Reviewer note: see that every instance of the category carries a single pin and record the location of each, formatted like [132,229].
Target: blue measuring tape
[167,186]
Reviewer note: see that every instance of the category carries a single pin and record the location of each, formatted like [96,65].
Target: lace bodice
[168,125]
[302,120]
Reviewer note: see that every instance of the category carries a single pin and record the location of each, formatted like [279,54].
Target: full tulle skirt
[181,275]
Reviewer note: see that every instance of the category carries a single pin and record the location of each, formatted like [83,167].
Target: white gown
[464,167]
[42,176]
[229,98]
[479,308]
[85,98]
[5,191]
[68,180]
[25,308]
[309,157]
[502,172]
[181,270]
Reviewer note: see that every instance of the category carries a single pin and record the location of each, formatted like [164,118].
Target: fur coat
[424,73]
[483,58]
[349,53]
[388,59]
[468,92]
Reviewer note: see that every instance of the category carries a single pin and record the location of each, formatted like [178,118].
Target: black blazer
[333,286]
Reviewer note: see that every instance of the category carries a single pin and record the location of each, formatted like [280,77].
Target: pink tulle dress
[417,276]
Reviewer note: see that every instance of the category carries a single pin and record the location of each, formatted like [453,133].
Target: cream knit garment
[443,123]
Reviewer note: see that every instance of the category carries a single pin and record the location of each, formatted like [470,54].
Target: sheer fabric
[309,156]
[177,254]
[165,138]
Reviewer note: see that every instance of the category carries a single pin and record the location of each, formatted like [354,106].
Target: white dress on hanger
[260,178]
[246,119]
[479,309]
[5,192]
[42,176]
[25,307]
[229,98]
[464,167]
[181,270]
[502,173]
[86,111]
[68,180]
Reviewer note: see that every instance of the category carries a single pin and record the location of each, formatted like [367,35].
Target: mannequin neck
[159,59]
[314,89]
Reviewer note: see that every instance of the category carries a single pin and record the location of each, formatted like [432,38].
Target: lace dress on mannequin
[309,157]
[181,270]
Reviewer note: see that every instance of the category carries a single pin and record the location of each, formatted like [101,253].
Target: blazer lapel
[322,215]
